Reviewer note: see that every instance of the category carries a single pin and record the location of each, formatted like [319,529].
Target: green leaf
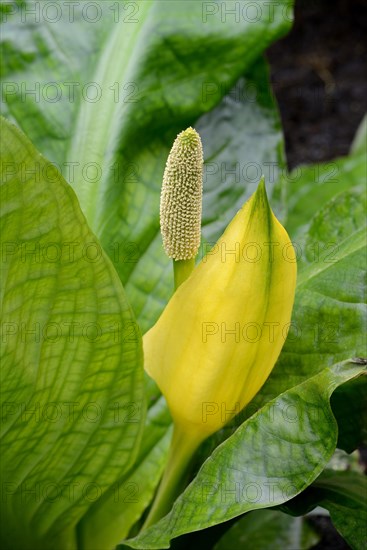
[71,369]
[157,70]
[266,530]
[299,434]
[344,495]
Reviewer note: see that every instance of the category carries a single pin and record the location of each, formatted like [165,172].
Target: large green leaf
[299,434]
[71,373]
[157,71]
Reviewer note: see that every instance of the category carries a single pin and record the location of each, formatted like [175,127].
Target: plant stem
[182,269]
[174,478]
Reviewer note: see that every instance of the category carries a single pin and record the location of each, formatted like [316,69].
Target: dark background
[318,73]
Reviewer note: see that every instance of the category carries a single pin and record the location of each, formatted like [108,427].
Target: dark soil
[330,538]
[319,73]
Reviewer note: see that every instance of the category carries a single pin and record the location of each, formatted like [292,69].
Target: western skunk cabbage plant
[260,399]
[194,363]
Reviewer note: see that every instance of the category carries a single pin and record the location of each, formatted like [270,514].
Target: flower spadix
[181,200]
[181,197]
[221,333]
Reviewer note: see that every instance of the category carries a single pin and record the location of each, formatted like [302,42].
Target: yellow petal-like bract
[220,335]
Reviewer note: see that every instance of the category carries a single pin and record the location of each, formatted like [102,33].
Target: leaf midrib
[90,143]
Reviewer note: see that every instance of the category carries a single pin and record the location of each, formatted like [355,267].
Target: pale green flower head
[181,197]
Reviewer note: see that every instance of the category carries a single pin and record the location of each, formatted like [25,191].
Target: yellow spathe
[221,333]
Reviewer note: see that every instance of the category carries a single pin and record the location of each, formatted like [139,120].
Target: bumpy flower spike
[181,199]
